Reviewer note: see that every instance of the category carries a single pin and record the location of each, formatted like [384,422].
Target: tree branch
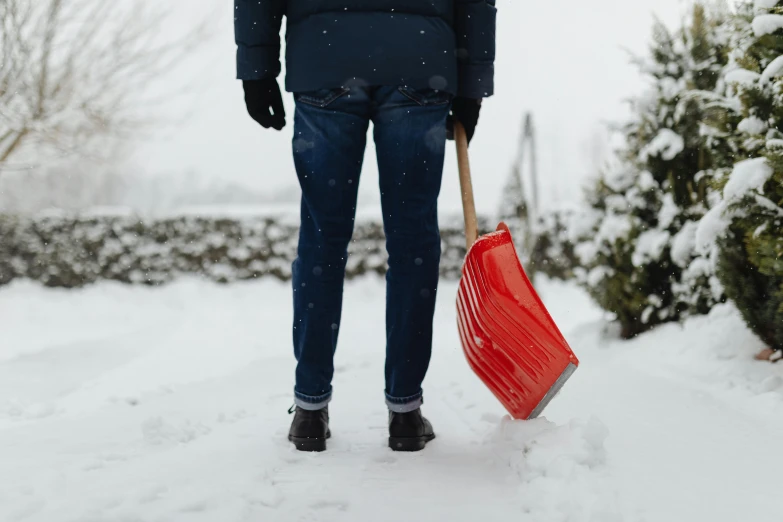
[72,73]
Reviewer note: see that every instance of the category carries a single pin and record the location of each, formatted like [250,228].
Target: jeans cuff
[404,404]
[310,403]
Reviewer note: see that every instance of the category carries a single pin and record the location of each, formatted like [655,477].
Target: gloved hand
[265,103]
[466,111]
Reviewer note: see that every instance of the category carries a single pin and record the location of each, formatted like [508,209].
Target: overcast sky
[563,60]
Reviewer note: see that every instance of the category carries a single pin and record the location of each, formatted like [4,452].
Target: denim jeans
[330,134]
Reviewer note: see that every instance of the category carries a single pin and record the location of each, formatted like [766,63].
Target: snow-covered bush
[636,243]
[744,231]
[71,250]
[553,252]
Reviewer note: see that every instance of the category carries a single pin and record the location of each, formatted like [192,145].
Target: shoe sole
[410,443]
[312,445]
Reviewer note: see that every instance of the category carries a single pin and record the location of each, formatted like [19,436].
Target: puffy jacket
[447,45]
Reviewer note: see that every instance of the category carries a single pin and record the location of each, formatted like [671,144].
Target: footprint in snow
[293,459]
[113,503]
[342,368]
[491,418]
[267,497]
[232,418]
[105,459]
[330,504]
[385,459]
[195,507]
[157,431]
[267,494]
[152,494]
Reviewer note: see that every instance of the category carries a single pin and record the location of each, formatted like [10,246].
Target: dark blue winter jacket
[441,44]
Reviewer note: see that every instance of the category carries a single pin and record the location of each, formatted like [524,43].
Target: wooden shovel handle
[466,185]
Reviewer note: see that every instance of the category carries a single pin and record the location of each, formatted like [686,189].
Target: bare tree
[72,73]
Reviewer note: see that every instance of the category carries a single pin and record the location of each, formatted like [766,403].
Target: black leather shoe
[409,431]
[310,429]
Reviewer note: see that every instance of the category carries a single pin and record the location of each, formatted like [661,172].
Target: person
[410,67]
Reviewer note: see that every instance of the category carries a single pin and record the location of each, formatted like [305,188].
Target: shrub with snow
[636,243]
[553,253]
[71,250]
[744,232]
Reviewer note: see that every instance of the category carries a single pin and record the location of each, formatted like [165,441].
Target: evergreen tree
[746,228]
[637,250]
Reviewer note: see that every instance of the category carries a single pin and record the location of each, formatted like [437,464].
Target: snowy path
[131,404]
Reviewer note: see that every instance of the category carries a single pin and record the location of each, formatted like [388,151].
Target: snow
[666,144]
[743,77]
[620,178]
[760,230]
[764,4]
[616,202]
[773,70]
[586,252]
[671,88]
[614,227]
[669,211]
[582,223]
[122,403]
[598,274]
[712,227]
[550,459]
[650,246]
[748,176]
[684,244]
[747,179]
[646,181]
[752,125]
[767,24]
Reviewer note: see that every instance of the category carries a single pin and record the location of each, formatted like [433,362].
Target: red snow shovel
[509,338]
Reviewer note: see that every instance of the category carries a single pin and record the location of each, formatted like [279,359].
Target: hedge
[71,251]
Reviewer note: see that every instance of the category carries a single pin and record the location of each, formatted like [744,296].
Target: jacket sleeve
[474,23]
[257,34]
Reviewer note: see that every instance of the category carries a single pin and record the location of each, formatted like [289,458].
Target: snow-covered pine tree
[745,230]
[636,242]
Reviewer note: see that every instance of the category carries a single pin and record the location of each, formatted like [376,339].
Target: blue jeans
[330,134]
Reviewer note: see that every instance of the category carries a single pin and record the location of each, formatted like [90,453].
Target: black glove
[466,111]
[265,103]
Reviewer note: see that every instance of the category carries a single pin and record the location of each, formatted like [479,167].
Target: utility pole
[527,208]
[529,139]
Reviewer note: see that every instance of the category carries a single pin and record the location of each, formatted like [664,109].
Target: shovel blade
[507,334]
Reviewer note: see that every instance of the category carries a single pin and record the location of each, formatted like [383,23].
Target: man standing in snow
[410,67]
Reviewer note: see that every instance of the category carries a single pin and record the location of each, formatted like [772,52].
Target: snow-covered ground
[169,404]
